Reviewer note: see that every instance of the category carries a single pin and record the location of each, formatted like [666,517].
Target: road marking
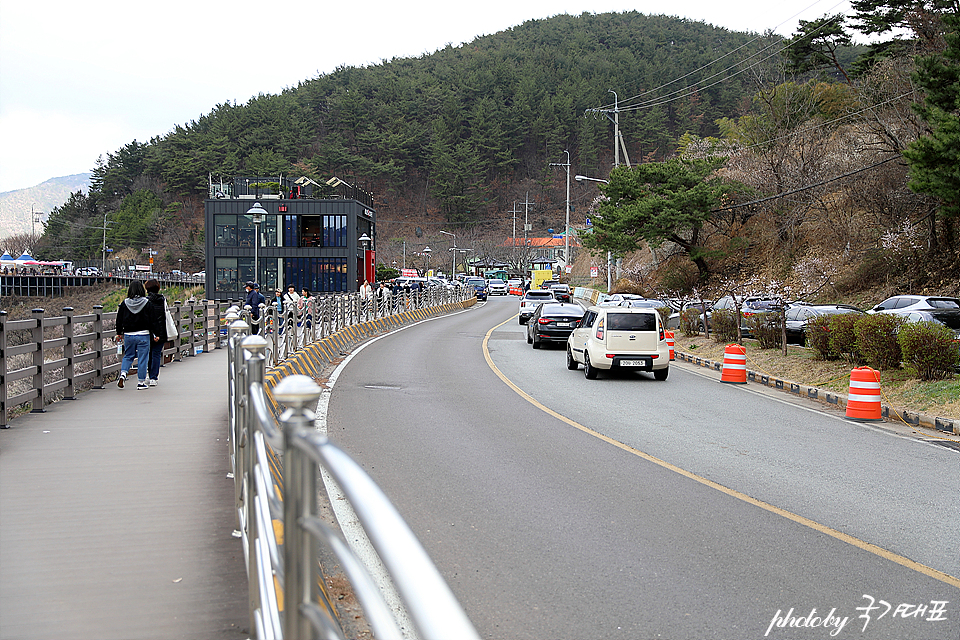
[816,526]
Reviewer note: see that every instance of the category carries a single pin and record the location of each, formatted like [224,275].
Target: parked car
[530,300]
[905,303]
[652,303]
[750,306]
[950,318]
[620,297]
[561,291]
[514,283]
[702,306]
[496,287]
[479,286]
[608,338]
[88,271]
[799,314]
[553,322]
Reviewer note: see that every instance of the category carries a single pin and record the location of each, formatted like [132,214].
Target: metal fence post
[98,346]
[69,371]
[3,371]
[36,405]
[298,392]
[255,366]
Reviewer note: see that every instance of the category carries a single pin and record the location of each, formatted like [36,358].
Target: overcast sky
[81,79]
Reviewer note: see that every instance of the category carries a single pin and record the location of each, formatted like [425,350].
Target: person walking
[136,320]
[158,339]
[254,300]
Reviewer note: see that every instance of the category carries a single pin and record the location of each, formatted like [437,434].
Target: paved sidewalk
[116,515]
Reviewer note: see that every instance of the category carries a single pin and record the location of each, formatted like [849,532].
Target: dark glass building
[309,236]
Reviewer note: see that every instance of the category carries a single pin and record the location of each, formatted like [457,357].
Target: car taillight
[600,330]
[544,320]
[663,336]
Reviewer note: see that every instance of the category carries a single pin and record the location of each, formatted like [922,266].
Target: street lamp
[453,267]
[257,212]
[427,250]
[364,240]
[580,178]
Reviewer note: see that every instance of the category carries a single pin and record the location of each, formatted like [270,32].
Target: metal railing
[291,575]
[290,329]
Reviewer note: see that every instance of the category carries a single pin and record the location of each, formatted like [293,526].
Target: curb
[912,418]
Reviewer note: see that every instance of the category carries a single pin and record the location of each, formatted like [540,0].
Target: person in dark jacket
[136,320]
[157,340]
[254,299]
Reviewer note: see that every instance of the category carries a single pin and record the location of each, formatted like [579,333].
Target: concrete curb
[913,418]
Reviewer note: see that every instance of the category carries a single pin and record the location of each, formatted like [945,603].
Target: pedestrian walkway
[116,514]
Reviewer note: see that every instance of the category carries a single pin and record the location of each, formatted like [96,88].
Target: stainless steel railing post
[298,393]
[254,347]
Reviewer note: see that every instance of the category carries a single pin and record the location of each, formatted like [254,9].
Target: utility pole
[566,231]
[526,226]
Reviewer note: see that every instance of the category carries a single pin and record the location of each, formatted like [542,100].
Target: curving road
[558,507]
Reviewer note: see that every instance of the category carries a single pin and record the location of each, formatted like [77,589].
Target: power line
[810,186]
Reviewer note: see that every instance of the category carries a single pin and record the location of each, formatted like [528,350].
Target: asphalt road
[558,507]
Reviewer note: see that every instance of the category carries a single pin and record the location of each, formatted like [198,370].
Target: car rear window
[631,322]
[950,319]
[944,303]
[539,294]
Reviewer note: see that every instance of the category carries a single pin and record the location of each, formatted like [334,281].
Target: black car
[799,315]
[561,291]
[553,322]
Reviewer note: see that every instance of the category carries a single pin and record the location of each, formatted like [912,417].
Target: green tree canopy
[658,202]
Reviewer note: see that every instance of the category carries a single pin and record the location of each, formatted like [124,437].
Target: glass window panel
[227,277]
[226,230]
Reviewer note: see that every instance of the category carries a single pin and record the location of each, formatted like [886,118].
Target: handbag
[172,332]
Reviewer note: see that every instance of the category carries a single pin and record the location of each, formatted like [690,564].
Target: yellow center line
[816,526]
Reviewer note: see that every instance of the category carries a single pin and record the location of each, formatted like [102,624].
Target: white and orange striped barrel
[734,364]
[863,400]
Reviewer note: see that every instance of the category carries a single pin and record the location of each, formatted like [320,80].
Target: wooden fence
[46,358]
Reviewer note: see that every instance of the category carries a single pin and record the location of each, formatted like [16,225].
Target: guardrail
[289,329]
[290,573]
[45,358]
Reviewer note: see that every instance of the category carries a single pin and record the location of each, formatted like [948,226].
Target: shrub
[665,313]
[843,337]
[723,324]
[818,337]
[930,348]
[765,327]
[690,322]
[877,339]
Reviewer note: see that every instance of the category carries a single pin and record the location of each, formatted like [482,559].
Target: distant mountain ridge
[15,205]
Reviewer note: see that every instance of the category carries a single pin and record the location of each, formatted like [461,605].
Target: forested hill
[450,130]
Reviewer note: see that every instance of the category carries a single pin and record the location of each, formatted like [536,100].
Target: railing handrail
[432,607]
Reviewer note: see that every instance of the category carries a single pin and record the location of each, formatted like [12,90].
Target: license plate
[563,324]
[633,363]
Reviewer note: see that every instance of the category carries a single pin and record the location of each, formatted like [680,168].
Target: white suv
[531,300]
[619,338]
[497,287]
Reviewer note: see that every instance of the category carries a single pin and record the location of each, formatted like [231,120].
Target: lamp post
[256,211]
[580,178]
[566,231]
[364,240]
[428,251]
[453,267]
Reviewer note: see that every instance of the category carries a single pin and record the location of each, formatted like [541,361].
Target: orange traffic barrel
[672,344]
[734,364]
[863,400]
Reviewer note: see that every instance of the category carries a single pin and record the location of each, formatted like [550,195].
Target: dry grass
[940,398]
